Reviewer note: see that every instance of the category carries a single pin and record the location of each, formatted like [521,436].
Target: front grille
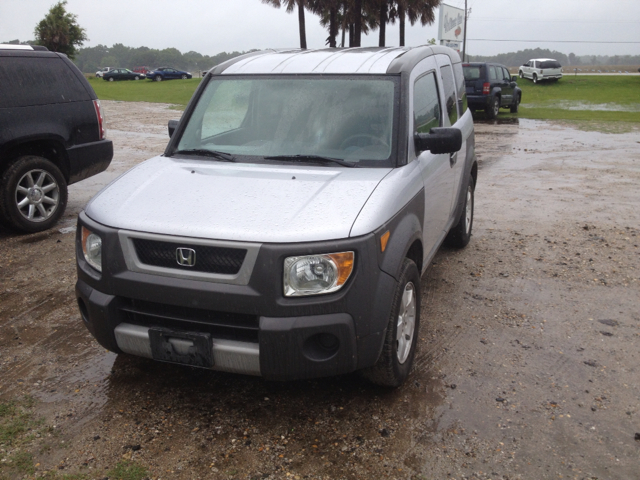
[220,260]
[231,326]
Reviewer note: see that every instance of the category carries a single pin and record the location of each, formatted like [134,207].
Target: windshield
[349,119]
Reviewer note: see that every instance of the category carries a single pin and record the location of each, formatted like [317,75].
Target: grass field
[177,92]
[582,98]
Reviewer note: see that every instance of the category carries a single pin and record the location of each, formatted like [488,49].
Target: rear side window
[426,104]
[493,74]
[460,86]
[550,64]
[26,81]
[449,93]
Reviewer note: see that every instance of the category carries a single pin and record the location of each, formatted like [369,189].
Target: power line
[540,41]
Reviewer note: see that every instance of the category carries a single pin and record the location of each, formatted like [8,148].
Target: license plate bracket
[187,348]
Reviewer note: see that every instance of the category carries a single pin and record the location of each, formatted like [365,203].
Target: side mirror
[514,78]
[173,124]
[439,140]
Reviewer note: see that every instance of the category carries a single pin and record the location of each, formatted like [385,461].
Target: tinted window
[472,72]
[462,94]
[26,81]
[550,64]
[426,104]
[493,73]
[507,75]
[449,93]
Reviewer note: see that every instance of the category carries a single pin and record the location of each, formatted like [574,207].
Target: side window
[493,75]
[27,81]
[460,85]
[449,93]
[507,75]
[426,104]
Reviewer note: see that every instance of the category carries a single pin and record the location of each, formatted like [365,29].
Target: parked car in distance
[102,71]
[122,74]
[51,135]
[540,69]
[490,87]
[142,69]
[167,73]
[323,192]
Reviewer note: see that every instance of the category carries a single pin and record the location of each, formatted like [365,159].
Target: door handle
[453,158]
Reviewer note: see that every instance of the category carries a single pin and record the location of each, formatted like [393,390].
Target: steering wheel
[354,141]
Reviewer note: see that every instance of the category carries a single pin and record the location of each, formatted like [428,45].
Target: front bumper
[250,326]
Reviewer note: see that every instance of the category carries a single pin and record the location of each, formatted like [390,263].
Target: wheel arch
[50,148]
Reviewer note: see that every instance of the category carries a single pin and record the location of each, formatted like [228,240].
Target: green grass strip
[177,92]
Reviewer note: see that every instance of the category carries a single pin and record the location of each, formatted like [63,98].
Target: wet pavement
[527,365]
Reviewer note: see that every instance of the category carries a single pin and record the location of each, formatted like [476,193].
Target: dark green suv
[491,87]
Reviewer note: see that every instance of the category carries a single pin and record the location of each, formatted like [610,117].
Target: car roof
[13,46]
[543,59]
[367,60]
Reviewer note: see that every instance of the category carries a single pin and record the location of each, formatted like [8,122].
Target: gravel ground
[527,365]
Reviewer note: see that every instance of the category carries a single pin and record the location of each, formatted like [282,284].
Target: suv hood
[241,202]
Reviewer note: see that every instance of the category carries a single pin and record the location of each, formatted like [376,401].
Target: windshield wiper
[227,157]
[299,158]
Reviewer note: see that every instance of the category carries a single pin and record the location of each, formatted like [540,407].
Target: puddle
[570,105]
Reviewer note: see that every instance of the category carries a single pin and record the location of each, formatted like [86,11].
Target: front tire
[460,235]
[136,78]
[111,79]
[493,108]
[521,74]
[158,78]
[401,337]
[33,194]
[184,77]
[514,105]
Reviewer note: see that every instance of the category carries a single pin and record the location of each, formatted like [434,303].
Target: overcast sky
[213,26]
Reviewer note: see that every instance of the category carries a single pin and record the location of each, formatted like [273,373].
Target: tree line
[350,19]
[90,59]
[514,59]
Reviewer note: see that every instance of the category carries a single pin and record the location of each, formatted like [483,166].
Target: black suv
[51,135]
[490,87]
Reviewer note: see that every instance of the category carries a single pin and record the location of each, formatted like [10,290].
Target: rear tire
[401,337]
[493,108]
[535,78]
[111,79]
[33,194]
[460,235]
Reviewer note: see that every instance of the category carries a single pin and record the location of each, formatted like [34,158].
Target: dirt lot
[527,368]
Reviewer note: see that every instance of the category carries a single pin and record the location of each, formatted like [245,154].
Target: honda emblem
[186,257]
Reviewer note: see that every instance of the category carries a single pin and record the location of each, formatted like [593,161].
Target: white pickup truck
[102,71]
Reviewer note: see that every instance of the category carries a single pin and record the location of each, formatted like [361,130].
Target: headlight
[92,248]
[316,274]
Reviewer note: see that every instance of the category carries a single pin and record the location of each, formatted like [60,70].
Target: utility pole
[464,37]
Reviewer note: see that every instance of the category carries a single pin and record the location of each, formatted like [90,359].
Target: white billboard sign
[451,27]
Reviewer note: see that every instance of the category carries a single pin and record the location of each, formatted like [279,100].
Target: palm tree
[290,6]
[415,10]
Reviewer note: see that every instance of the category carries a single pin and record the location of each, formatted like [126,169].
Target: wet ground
[527,368]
